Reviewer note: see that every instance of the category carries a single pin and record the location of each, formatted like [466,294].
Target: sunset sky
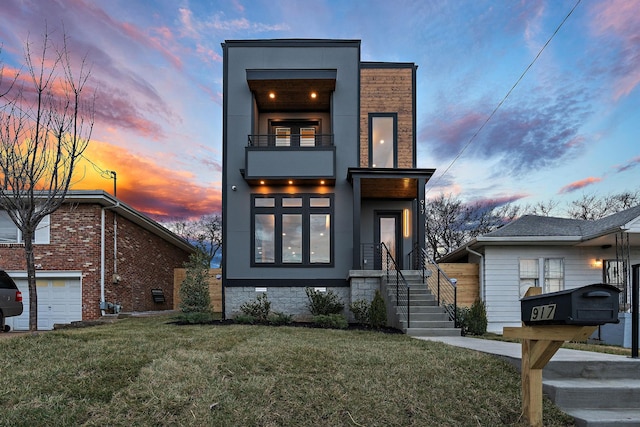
[570,127]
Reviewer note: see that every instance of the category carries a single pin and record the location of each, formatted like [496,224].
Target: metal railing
[291,140]
[376,256]
[437,281]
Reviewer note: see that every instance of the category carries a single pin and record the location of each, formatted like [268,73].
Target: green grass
[144,371]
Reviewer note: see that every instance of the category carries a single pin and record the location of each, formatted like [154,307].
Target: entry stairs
[426,319]
[596,394]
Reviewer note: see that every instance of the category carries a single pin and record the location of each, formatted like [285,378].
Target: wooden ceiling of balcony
[293,94]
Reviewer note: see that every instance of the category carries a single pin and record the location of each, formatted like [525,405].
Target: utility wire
[473,137]
[104,173]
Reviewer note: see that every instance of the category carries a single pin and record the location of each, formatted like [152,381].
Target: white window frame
[541,276]
[42,234]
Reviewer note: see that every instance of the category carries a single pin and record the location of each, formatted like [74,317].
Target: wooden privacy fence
[468,281]
[215,287]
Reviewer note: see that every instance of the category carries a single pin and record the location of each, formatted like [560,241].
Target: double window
[292,230]
[546,271]
[383,131]
[10,233]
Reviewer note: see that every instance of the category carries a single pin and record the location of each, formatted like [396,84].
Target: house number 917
[543,312]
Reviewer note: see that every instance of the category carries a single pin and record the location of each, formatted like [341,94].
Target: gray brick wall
[294,301]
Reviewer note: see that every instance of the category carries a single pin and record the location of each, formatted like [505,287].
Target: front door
[388,226]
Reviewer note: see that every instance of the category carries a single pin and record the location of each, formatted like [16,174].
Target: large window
[292,230]
[552,277]
[9,233]
[382,140]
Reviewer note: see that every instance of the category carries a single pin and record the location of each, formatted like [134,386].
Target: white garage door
[59,301]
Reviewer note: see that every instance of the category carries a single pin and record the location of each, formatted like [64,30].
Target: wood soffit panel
[389,188]
[293,94]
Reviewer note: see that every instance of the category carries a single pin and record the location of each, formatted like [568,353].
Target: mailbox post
[550,320]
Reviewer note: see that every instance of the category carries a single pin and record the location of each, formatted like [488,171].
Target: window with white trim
[548,271]
[10,233]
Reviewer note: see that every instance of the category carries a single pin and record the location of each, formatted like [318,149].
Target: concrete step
[625,369]
[433,317]
[426,309]
[432,332]
[605,417]
[424,324]
[576,393]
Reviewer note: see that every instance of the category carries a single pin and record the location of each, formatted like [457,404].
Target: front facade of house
[554,254]
[318,168]
[78,276]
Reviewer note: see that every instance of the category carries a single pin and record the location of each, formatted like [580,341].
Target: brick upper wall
[387,90]
[145,261]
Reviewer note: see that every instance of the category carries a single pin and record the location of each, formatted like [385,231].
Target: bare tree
[542,208]
[204,233]
[450,223]
[45,126]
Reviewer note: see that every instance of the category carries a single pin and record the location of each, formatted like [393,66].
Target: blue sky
[570,127]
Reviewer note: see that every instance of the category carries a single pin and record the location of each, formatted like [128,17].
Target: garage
[59,299]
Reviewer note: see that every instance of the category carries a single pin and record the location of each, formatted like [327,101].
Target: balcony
[278,159]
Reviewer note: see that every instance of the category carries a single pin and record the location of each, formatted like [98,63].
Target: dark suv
[10,300]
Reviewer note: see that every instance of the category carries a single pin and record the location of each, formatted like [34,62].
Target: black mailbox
[589,305]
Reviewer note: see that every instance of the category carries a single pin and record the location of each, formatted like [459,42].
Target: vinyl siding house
[93,254]
[319,167]
[555,254]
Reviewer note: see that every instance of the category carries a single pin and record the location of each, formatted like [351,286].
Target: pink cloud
[628,165]
[621,19]
[577,185]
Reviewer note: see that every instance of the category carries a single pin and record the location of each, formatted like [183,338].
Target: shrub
[477,318]
[196,317]
[360,310]
[332,321]
[277,318]
[258,309]
[245,319]
[323,303]
[377,312]
[194,290]
[462,317]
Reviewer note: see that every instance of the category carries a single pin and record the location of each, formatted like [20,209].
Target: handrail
[291,140]
[377,257]
[440,285]
[403,294]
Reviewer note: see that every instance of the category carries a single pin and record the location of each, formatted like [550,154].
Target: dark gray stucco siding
[238,123]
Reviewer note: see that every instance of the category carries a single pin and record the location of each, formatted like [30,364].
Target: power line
[473,137]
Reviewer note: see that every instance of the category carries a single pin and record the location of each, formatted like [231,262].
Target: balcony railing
[292,140]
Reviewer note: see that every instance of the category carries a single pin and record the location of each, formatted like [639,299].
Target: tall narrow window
[553,274]
[283,137]
[320,238]
[382,140]
[307,137]
[264,238]
[291,238]
[529,275]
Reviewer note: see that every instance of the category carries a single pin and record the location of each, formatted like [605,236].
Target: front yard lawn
[145,371]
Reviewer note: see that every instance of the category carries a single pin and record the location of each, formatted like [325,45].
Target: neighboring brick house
[319,169]
[78,276]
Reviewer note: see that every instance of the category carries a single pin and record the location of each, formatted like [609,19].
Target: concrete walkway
[514,350]
[597,389]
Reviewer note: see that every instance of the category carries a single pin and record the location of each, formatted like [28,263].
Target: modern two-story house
[319,169]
